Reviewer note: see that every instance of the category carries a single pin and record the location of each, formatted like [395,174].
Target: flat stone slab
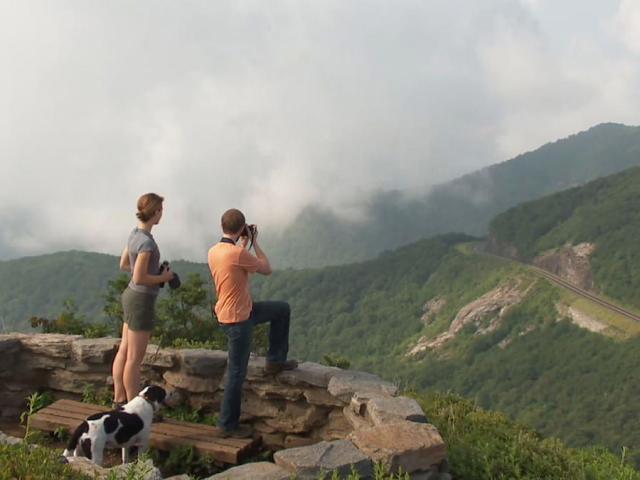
[159,357]
[258,407]
[9,346]
[254,471]
[271,390]
[298,418]
[203,362]
[9,352]
[50,344]
[255,369]
[75,382]
[9,440]
[191,383]
[383,410]
[308,462]
[309,373]
[95,350]
[345,383]
[407,445]
[317,396]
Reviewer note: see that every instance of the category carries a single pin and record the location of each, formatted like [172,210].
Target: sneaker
[276,367]
[242,431]
[117,405]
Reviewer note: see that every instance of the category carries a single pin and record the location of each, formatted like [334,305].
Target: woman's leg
[117,371]
[136,348]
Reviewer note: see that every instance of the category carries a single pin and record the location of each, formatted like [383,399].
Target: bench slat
[79,410]
[164,435]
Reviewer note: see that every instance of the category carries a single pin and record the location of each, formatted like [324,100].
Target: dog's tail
[75,438]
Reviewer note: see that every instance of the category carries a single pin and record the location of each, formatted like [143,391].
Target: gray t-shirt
[142,241]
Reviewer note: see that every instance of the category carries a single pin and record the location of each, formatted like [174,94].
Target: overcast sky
[273,105]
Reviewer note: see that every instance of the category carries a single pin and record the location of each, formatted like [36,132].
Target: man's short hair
[232,221]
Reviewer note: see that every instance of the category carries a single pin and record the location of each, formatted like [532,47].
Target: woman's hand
[167,275]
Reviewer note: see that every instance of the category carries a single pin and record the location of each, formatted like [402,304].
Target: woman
[141,257]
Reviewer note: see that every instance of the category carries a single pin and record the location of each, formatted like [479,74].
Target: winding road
[569,286]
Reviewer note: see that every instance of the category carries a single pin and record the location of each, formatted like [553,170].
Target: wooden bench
[165,435]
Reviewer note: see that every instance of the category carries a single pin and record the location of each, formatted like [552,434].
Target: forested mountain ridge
[38,285]
[319,237]
[603,215]
[513,350]
[436,315]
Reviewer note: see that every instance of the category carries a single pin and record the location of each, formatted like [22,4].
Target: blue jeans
[240,334]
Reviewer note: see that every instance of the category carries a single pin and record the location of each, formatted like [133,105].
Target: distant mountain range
[604,213]
[436,314]
[319,237]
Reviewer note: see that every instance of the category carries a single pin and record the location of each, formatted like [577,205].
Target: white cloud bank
[271,106]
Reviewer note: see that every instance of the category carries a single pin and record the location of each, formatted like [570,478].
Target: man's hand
[251,232]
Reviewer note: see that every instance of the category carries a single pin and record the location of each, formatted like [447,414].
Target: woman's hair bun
[148,205]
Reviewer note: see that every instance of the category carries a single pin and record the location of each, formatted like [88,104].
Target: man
[230,266]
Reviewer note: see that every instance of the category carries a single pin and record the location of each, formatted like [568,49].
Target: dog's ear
[155,394]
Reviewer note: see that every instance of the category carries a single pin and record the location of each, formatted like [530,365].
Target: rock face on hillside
[432,308]
[580,318]
[311,415]
[570,262]
[483,314]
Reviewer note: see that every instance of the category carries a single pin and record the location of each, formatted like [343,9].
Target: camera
[249,231]
[175,281]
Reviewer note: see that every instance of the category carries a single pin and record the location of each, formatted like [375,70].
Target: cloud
[274,106]
[626,24]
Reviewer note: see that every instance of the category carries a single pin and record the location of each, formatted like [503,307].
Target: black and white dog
[125,427]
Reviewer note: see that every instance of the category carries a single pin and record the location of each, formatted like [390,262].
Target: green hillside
[560,379]
[319,237]
[605,212]
[537,367]
[38,286]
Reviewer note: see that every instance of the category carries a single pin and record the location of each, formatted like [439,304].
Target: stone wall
[315,417]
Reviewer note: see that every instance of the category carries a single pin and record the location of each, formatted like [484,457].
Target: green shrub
[484,445]
[71,321]
[22,462]
[36,401]
[184,460]
[102,396]
[193,415]
[335,360]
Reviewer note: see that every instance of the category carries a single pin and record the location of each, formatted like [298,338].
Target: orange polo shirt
[230,266]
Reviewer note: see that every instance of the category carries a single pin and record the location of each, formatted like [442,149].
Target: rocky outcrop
[483,314]
[340,455]
[432,308]
[142,470]
[251,471]
[571,263]
[580,318]
[403,446]
[311,416]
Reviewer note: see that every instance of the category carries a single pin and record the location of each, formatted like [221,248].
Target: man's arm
[264,267]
